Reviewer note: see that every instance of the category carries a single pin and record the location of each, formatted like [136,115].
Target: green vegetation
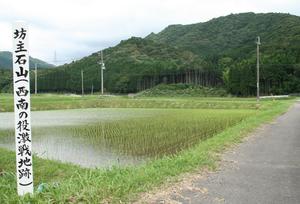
[6,81]
[183,90]
[56,102]
[211,59]
[45,171]
[234,34]
[167,132]
[130,67]
[217,53]
[69,183]
[6,61]
[228,43]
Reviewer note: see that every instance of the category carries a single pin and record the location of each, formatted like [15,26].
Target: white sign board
[22,108]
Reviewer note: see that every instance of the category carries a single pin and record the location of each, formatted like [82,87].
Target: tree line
[217,53]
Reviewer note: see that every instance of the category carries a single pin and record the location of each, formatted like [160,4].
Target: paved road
[264,169]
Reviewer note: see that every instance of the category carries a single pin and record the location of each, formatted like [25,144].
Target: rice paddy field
[119,136]
[58,102]
[108,149]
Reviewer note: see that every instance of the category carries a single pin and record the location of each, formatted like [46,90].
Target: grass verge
[69,183]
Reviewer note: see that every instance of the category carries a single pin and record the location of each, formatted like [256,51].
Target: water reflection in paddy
[118,136]
[52,141]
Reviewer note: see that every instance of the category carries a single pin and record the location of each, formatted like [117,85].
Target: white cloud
[75,28]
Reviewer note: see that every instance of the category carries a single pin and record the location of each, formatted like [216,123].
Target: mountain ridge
[205,35]
[220,52]
[6,61]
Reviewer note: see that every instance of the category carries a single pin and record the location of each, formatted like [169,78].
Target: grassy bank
[186,90]
[69,183]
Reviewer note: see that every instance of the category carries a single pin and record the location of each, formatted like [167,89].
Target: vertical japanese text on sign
[22,109]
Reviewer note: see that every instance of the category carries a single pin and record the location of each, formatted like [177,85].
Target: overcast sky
[76,28]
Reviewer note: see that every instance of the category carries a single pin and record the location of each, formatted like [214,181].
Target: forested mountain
[234,35]
[229,43]
[220,52]
[133,65]
[6,61]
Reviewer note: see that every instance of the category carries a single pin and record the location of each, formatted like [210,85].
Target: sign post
[22,109]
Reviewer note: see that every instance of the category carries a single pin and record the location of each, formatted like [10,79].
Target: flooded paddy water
[118,136]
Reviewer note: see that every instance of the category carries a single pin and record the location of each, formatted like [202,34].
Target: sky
[72,29]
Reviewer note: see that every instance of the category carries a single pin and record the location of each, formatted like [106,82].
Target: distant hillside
[228,43]
[217,53]
[131,66]
[234,35]
[6,61]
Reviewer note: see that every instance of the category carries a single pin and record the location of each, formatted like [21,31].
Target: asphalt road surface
[263,169]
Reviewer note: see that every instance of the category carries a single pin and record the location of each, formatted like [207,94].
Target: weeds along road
[264,169]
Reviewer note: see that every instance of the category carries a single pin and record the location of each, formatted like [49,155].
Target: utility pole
[55,57]
[92,91]
[101,70]
[82,89]
[35,79]
[257,66]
